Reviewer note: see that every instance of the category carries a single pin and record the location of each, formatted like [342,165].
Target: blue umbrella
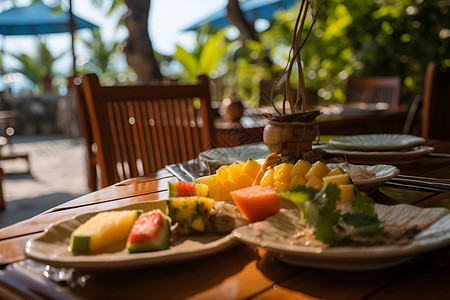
[38,18]
[252,10]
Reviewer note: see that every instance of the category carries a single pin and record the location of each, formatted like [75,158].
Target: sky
[168,18]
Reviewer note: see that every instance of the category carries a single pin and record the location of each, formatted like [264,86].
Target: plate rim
[105,261]
[343,145]
[383,252]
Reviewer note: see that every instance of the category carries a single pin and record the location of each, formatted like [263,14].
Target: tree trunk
[139,50]
[247,30]
[234,13]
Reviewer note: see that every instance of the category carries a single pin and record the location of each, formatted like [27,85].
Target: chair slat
[140,129]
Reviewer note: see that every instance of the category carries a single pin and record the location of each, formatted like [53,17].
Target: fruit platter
[306,213]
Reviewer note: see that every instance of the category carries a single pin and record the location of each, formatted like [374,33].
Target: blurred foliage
[103,58]
[39,67]
[351,38]
[205,58]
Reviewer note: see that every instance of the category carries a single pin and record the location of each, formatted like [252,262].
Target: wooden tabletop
[241,272]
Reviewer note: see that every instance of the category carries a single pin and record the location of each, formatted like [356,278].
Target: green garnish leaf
[318,208]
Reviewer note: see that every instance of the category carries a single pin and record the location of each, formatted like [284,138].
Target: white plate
[376,142]
[274,234]
[407,156]
[235,154]
[52,247]
[382,174]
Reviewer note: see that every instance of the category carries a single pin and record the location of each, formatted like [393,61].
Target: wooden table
[241,272]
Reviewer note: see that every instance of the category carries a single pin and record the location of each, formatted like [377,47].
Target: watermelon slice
[186,189]
[150,232]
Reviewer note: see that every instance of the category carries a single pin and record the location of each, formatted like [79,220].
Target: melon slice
[150,232]
[103,230]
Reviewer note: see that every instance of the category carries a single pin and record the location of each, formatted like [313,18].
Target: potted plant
[292,130]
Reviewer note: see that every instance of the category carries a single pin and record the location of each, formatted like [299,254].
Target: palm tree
[39,69]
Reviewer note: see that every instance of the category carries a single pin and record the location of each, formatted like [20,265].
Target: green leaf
[212,52]
[188,61]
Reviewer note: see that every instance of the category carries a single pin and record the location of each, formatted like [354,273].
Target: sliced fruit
[191,213]
[150,232]
[298,179]
[282,177]
[256,202]
[234,171]
[267,179]
[243,181]
[102,230]
[315,182]
[337,179]
[347,193]
[184,189]
[336,171]
[318,169]
[251,168]
[300,168]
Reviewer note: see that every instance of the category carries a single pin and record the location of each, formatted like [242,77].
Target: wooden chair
[140,129]
[86,132]
[374,90]
[436,103]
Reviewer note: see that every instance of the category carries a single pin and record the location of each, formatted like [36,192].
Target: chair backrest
[374,89]
[86,132]
[436,103]
[139,129]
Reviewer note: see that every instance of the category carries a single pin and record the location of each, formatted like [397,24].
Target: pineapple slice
[191,213]
[282,177]
[347,193]
[297,179]
[251,168]
[315,182]
[337,179]
[267,179]
[318,169]
[103,230]
[300,168]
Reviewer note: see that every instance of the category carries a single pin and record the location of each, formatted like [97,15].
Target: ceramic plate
[52,247]
[376,142]
[382,174]
[406,156]
[275,233]
[235,154]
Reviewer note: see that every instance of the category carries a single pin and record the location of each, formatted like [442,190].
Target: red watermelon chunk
[150,232]
[186,189]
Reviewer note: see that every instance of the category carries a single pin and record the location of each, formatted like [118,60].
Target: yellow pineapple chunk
[282,177]
[300,168]
[234,171]
[318,169]
[215,186]
[337,179]
[336,171]
[315,182]
[243,181]
[191,213]
[251,168]
[347,193]
[222,172]
[267,179]
[282,172]
[297,179]
[102,230]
